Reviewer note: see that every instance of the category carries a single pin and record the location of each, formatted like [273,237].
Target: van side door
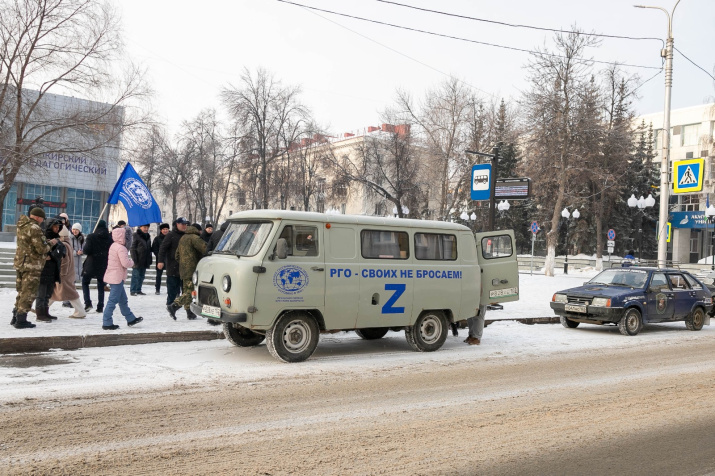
[296,282]
[496,254]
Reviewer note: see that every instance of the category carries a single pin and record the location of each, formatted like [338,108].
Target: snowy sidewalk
[158,326]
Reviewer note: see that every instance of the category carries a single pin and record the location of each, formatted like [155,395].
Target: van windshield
[244,238]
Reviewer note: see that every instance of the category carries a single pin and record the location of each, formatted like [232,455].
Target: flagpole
[100,217]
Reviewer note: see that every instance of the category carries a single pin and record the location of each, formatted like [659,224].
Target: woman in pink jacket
[117,265]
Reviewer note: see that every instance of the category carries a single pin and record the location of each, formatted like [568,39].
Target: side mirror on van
[281,248]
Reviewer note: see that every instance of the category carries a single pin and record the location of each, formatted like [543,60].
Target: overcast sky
[350,69]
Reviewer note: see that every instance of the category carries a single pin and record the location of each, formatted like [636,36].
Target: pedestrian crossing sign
[688,175]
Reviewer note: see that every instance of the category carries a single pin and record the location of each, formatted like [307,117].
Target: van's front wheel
[293,338]
[428,333]
[241,336]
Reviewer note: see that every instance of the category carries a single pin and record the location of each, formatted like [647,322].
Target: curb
[43,344]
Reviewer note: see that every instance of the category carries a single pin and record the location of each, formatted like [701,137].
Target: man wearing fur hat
[32,249]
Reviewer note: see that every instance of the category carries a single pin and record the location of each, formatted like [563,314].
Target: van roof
[348,219]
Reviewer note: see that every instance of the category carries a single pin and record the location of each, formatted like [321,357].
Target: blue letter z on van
[388,307]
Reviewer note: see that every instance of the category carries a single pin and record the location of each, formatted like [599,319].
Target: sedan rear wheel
[695,320]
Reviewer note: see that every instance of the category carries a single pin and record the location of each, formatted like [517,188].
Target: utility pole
[666,53]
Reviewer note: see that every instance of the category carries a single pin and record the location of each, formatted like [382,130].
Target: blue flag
[141,207]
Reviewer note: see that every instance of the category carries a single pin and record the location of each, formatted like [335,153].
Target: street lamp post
[641,204]
[710,218]
[567,216]
[667,53]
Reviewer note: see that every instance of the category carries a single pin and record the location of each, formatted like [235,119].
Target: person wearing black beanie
[155,246]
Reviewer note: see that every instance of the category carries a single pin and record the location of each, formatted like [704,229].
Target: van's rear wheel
[293,338]
[371,333]
[428,333]
[241,336]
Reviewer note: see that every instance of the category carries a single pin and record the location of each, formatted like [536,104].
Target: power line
[694,64]
[515,25]
[394,50]
[513,48]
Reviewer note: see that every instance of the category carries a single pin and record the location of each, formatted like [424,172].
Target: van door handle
[315,268]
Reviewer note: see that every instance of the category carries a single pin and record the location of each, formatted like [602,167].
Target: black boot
[21,321]
[172,308]
[42,315]
[14,317]
[190,314]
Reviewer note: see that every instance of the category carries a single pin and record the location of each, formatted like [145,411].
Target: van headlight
[226,283]
[195,277]
[601,302]
[559,298]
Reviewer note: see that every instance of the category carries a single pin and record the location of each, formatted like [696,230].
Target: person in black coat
[96,249]
[167,259]
[163,231]
[141,255]
[207,232]
[50,272]
[216,237]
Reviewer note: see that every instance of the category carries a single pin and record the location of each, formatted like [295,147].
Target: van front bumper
[225,316]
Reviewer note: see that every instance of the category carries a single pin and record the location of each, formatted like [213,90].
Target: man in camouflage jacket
[30,256]
[191,249]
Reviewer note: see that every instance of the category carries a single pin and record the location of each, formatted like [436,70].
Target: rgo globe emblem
[137,193]
[290,279]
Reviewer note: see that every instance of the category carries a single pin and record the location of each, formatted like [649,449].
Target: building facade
[691,137]
[75,183]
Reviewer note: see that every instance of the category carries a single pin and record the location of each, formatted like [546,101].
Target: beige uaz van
[287,276]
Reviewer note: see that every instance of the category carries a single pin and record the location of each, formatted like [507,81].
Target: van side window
[435,246]
[497,246]
[384,244]
[302,240]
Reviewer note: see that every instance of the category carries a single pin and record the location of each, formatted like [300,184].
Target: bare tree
[268,115]
[443,119]
[552,115]
[62,46]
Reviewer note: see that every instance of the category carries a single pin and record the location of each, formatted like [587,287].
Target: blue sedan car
[631,297]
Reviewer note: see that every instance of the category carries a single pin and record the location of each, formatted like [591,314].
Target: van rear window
[435,246]
[378,244]
[497,246]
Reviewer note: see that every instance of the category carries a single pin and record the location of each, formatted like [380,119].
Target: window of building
[690,135]
[435,246]
[9,209]
[690,203]
[84,207]
[48,194]
[377,244]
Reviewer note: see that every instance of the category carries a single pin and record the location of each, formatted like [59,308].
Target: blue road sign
[611,234]
[481,181]
[688,175]
[534,227]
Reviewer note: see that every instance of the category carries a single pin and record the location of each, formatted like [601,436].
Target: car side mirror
[282,248]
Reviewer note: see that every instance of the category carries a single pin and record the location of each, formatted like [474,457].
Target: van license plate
[575,308]
[211,311]
[503,292]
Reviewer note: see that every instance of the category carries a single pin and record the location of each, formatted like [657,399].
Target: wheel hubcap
[697,319]
[296,336]
[632,322]
[430,329]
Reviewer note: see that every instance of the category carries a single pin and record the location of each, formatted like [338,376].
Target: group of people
[179,254]
[49,263]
